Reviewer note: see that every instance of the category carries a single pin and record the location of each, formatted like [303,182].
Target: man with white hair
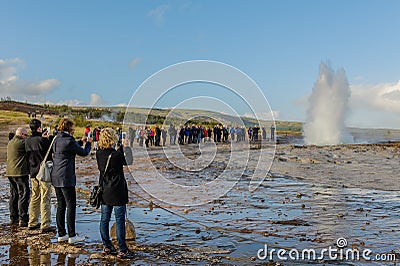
[17,172]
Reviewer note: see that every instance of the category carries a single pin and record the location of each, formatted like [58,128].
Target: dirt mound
[25,108]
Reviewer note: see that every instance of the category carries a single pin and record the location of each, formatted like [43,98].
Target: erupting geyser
[325,124]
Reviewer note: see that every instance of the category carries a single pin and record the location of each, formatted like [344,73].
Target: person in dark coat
[181,139]
[225,134]
[272,132]
[219,133]
[36,147]
[63,178]
[110,161]
[255,131]
[158,136]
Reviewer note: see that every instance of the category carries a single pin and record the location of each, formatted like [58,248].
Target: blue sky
[99,52]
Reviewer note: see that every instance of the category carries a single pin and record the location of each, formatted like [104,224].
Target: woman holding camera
[110,161]
[63,178]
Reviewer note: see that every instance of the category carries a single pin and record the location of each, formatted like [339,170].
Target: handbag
[96,195]
[130,233]
[45,169]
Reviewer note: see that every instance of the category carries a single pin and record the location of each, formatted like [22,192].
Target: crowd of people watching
[157,136]
[30,196]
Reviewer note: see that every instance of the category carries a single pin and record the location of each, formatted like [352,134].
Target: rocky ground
[311,197]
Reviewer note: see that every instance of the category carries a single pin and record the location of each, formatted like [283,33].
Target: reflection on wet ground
[291,209]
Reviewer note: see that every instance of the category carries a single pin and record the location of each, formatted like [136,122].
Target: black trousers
[19,198]
[157,141]
[66,201]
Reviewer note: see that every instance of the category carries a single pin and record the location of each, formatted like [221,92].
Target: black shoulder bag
[96,195]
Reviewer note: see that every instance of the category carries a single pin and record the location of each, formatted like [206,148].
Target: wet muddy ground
[311,197]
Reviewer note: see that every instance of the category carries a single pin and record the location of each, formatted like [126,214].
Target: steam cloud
[328,104]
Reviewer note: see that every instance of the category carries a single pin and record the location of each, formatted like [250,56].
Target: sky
[100,52]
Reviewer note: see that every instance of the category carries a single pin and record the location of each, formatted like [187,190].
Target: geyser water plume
[328,105]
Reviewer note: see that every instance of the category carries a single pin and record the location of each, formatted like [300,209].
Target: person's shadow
[64,258]
[36,258]
[18,254]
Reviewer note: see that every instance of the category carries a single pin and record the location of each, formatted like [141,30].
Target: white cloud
[71,102]
[266,116]
[380,97]
[96,100]
[11,85]
[8,68]
[35,88]
[158,14]
[375,105]
[134,62]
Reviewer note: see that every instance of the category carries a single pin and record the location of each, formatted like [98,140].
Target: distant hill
[156,116]
[10,105]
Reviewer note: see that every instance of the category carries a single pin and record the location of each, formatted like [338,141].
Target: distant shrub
[120,116]
[80,121]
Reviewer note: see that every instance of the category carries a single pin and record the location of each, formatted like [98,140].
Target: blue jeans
[172,139]
[119,213]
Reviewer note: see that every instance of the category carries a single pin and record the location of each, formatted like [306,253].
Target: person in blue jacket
[63,177]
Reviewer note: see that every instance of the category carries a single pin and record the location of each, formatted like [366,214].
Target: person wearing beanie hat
[37,146]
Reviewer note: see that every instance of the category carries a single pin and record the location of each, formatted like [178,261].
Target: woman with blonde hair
[110,161]
[63,178]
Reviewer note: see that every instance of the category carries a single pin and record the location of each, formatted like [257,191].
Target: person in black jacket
[158,136]
[63,178]
[115,192]
[36,147]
